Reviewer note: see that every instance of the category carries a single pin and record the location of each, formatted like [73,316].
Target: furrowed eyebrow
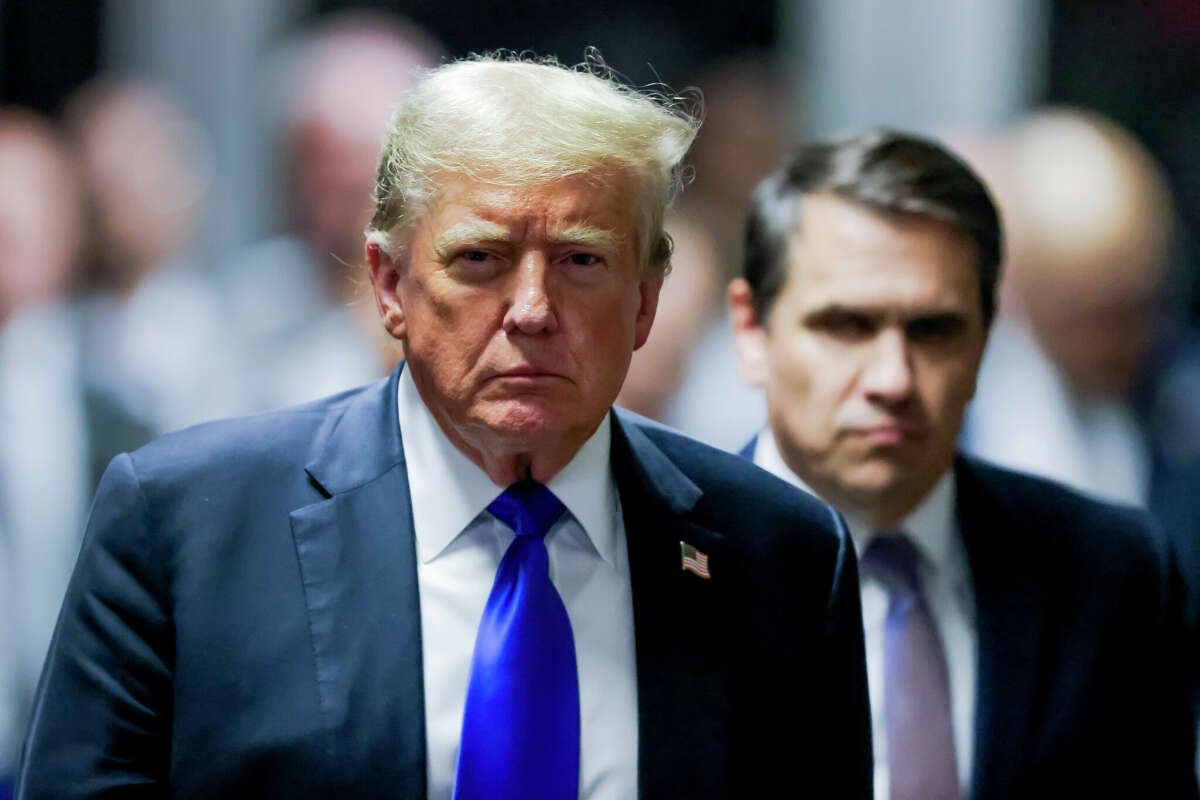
[840,310]
[467,233]
[587,236]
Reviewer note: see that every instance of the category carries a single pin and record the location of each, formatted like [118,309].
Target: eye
[844,325]
[475,265]
[936,328]
[583,259]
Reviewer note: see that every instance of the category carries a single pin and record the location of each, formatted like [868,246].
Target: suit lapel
[680,623]
[1008,602]
[358,565]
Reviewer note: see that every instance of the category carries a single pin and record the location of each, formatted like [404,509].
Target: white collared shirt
[946,581]
[459,547]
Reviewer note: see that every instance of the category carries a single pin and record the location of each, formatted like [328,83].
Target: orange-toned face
[519,309]
[869,354]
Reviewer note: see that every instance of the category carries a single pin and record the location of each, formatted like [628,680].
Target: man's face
[869,354]
[519,308]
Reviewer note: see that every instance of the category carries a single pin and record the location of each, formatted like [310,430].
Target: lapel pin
[693,560]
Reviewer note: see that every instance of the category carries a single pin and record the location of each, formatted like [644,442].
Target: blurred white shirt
[44,493]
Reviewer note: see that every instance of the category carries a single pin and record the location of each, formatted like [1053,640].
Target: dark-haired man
[1022,640]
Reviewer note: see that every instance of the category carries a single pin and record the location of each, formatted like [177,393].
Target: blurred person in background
[1022,639]
[56,434]
[296,302]
[1090,377]
[684,313]
[157,340]
[1091,224]
[746,128]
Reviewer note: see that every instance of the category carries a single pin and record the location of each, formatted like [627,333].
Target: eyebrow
[877,312]
[474,230]
[481,231]
[587,236]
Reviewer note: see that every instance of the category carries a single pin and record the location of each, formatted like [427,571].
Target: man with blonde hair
[472,579]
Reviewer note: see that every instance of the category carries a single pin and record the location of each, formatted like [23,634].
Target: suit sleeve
[849,713]
[101,720]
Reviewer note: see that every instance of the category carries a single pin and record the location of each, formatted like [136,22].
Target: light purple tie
[920,737]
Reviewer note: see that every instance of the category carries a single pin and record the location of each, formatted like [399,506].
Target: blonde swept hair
[515,120]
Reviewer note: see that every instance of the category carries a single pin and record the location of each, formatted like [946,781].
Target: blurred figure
[684,312]
[1089,377]
[43,480]
[292,295]
[54,433]
[1091,224]
[746,129]
[1022,639]
[156,340]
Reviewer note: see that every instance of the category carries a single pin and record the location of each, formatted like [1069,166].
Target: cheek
[945,395]
[799,389]
[450,336]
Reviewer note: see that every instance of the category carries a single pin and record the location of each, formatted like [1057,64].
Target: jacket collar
[360,440]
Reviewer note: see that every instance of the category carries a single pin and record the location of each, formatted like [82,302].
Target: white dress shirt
[946,581]
[459,547]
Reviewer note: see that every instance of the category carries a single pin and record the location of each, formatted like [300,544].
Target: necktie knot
[894,561]
[528,507]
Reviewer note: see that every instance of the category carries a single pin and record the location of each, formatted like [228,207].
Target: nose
[888,376]
[531,311]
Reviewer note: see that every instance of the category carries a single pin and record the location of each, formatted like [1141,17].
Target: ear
[749,335]
[385,280]
[648,307]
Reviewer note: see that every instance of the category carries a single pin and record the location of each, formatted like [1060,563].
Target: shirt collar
[449,490]
[931,524]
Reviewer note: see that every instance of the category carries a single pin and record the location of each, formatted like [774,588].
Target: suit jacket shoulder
[734,489]
[1079,614]
[1065,522]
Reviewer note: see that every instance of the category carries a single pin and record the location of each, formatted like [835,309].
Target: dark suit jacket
[243,621]
[1082,683]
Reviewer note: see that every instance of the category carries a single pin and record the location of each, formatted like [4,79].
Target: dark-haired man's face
[869,354]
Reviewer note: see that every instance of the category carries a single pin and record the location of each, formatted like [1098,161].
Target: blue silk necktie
[520,734]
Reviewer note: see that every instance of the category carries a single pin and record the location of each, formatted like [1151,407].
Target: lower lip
[885,437]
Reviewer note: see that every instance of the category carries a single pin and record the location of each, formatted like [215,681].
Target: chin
[876,476]
[525,418]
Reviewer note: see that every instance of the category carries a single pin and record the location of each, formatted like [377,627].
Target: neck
[506,463]
[508,458]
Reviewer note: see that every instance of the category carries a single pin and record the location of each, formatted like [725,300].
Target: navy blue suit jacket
[1082,684]
[243,621]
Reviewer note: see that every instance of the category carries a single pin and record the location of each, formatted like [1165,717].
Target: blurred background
[183,187]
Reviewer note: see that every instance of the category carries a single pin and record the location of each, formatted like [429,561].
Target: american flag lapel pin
[693,560]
